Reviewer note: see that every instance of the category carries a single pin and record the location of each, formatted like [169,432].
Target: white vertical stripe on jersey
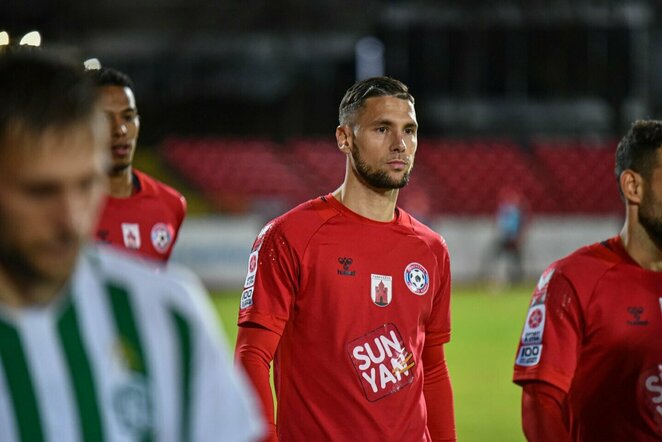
[99,337]
[161,352]
[50,374]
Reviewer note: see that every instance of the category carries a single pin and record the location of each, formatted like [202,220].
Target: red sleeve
[544,416]
[438,326]
[550,343]
[255,350]
[438,395]
[271,281]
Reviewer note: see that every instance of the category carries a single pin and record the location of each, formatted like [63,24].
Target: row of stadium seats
[459,177]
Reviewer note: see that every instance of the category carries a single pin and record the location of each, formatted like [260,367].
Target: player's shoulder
[155,187]
[301,221]
[584,267]
[168,283]
[422,231]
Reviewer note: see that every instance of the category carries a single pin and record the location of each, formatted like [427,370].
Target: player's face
[384,142]
[120,106]
[50,189]
[650,208]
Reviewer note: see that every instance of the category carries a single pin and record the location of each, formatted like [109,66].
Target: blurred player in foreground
[93,345]
[590,355]
[140,213]
[350,295]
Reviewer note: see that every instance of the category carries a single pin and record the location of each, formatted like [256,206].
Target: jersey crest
[162,235]
[133,408]
[131,235]
[417,279]
[381,289]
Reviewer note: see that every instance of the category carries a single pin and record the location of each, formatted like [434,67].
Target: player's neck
[21,292]
[121,183]
[640,247]
[377,205]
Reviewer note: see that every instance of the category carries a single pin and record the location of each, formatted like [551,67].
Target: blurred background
[239,101]
[520,106]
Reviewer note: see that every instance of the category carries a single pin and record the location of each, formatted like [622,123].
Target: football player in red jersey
[590,355]
[141,214]
[349,295]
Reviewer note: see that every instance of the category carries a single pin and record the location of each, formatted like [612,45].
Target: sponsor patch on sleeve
[529,355]
[246,298]
[531,343]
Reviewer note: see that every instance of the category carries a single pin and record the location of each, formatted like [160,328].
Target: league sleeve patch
[530,348]
[252,269]
[534,325]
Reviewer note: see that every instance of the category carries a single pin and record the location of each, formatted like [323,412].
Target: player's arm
[543,417]
[438,394]
[255,350]
[554,328]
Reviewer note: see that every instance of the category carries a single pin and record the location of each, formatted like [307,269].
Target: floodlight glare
[92,64]
[31,39]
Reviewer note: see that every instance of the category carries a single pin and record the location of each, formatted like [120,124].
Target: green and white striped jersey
[126,353]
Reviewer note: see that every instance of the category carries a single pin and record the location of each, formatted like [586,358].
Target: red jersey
[594,330]
[147,222]
[355,301]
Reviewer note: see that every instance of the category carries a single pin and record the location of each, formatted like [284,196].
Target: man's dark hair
[110,77]
[38,91]
[356,95]
[637,150]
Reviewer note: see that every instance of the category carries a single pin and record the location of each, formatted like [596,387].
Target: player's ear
[632,186]
[343,137]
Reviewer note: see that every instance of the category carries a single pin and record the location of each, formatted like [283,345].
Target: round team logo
[252,263]
[133,407]
[535,318]
[162,237]
[417,279]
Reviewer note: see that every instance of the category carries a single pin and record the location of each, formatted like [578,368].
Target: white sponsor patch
[252,269]
[534,325]
[529,355]
[246,298]
[131,235]
[381,289]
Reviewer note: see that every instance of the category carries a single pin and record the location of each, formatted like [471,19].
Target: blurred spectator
[505,255]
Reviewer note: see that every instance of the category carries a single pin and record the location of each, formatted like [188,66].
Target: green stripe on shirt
[184,340]
[130,341]
[19,383]
[80,375]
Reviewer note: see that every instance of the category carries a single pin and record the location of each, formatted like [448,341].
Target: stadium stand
[453,176]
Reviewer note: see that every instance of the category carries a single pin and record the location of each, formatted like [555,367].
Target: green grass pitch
[486,329]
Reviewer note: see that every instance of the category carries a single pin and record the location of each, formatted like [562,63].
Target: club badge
[381,289]
[417,279]
[162,235]
[131,235]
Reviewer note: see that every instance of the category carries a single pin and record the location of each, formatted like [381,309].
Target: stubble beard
[378,179]
[650,219]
